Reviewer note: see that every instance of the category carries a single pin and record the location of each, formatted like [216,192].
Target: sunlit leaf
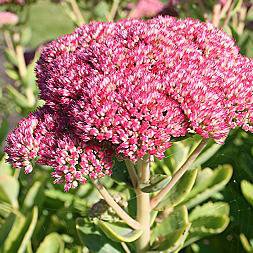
[52,243]
[119,231]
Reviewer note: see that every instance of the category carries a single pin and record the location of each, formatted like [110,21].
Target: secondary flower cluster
[8,18]
[19,2]
[44,138]
[124,89]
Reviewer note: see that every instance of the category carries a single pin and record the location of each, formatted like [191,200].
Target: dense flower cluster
[19,2]
[146,8]
[44,137]
[124,89]
[8,18]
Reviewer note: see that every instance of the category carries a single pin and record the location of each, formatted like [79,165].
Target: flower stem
[216,14]
[116,207]
[77,12]
[21,61]
[179,173]
[143,206]
[113,11]
[132,173]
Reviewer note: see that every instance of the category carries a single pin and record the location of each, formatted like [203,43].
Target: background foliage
[37,216]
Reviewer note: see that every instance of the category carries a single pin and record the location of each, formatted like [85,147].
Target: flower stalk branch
[115,206]
[113,11]
[179,173]
[132,173]
[77,12]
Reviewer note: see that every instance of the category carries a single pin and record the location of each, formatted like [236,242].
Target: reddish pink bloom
[147,8]
[44,138]
[129,87]
[223,2]
[8,18]
[19,2]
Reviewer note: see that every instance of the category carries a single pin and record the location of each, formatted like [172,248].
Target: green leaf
[11,73]
[52,243]
[21,232]
[171,232]
[26,35]
[9,194]
[94,239]
[206,155]
[245,243]
[5,167]
[209,209]
[26,240]
[34,196]
[206,220]
[206,226]
[29,79]
[59,196]
[207,184]
[153,216]
[119,231]
[236,7]
[157,182]
[3,129]
[179,191]
[175,241]
[177,155]
[247,191]
[120,173]
[5,209]
[6,227]
[11,56]
[101,9]
[19,98]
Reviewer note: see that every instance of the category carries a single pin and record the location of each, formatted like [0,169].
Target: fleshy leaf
[29,232]
[34,196]
[207,154]
[4,127]
[245,243]
[20,233]
[206,220]
[172,231]
[206,226]
[5,228]
[179,191]
[157,182]
[247,190]
[120,173]
[94,239]
[52,243]
[177,154]
[119,232]
[209,209]
[9,194]
[207,184]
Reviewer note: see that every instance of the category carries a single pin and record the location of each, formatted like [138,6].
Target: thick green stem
[143,206]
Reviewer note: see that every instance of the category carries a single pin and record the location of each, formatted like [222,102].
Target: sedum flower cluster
[18,2]
[126,89]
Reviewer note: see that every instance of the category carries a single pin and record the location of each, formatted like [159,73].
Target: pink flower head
[8,18]
[18,2]
[147,8]
[125,89]
[44,138]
